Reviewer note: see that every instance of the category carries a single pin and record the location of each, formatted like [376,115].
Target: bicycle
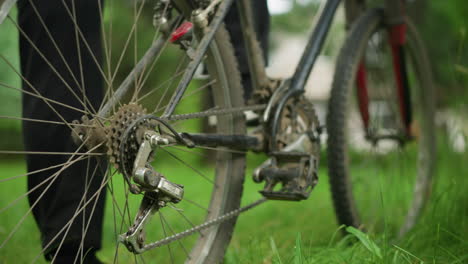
[286,129]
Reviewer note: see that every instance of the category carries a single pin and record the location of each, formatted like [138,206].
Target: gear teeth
[124,117]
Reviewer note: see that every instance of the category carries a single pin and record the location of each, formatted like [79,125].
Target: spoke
[44,98]
[69,162]
[72,219]
[198,90]
[173,233]
[127,43]
[186,150]
[196,204]
[107,50]
[70,89]
[41,121]
[87,225]
[49,34]
[165,235]
[223,149]
[187,220]
[182,62]
[141,258]
[142,80]
[114,206]
[189,166]
[160,86]
[37,92]
[80,63]
[135,44]
[200,52]
[10,235]
[126,211]
[51,177]
[126,84]
[34,172]
[51,153]
[114,202]
[66,226]
[85,42]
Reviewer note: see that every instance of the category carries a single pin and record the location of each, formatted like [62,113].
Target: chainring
[298,117]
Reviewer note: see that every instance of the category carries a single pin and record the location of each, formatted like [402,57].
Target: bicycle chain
[205,225]
[216,112]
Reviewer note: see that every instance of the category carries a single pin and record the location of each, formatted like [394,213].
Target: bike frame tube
[199,54]
[314,46]
[309,56]
[255,59]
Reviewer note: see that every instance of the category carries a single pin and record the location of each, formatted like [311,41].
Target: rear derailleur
[158,191]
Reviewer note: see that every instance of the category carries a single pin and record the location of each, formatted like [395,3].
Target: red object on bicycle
[398,34]
[363,95]
[397,42]
[183,29]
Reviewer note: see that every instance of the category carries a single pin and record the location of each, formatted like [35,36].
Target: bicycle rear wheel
[381,145]
[211,189]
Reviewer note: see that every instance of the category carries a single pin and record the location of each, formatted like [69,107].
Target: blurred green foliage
[300,20]
[10,98]
[297,20]
[445,28]
[9,60]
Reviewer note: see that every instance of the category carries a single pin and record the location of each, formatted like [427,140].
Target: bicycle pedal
[288,176]
[285,196]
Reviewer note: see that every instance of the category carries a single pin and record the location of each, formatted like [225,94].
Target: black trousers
[262,28]
[58,76]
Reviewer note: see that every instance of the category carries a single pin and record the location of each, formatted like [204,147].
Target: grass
[307,232]
[291,232]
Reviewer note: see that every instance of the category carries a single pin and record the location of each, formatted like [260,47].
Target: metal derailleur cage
[152,133]
[294,149]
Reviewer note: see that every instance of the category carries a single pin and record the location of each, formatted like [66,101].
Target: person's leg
[262,28]
[50,77]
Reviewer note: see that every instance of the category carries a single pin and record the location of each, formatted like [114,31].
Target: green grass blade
[408,253]
[366,241]
[275,250]
[298,250]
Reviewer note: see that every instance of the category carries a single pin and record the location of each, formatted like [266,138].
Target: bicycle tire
[348,211]
[226,92]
